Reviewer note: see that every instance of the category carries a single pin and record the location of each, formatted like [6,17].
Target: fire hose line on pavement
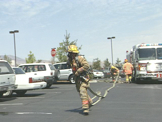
[98,94]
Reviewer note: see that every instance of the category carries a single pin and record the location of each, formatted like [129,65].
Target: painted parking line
[32,113]
[31,97]
[11,104]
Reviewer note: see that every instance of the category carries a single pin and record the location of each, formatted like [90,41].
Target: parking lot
[124,103]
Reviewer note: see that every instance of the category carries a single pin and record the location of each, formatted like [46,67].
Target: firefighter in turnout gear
[128,70]
[114,72]
[79,67]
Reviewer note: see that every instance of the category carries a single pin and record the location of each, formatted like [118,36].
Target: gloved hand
[76,73]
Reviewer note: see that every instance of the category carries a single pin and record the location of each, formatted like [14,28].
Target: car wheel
[71,79]
[1,94]
[55,81]
[21,92]
[48,86]
[7,94]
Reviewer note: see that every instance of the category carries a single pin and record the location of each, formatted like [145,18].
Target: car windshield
[5,68]
[56,66]
[18,71]
[95,70]
[146,54]
[51,67]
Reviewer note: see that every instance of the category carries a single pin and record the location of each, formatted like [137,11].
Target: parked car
[7,77]
[65,72]
[107,73]
[27,82]
[121,73]
[47,70]
[98,74]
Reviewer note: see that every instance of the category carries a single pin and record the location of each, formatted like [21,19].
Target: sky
[42,25]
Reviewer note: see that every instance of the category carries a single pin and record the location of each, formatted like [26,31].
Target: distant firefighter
[128,70]
[114,72]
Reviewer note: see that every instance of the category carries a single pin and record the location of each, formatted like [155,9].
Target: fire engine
[147,61]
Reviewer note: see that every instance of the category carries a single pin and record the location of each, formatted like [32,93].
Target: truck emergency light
[155,44]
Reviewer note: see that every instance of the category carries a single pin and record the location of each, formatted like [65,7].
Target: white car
[47,70]
[98,74]
[7,77]
[27,82]
[65,71]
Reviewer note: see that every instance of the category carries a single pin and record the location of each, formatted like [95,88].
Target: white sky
[42,25]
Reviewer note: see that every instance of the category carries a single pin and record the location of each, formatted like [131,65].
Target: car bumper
[8,87]
[150,76]
[99,76]
[49,79]
[32,86]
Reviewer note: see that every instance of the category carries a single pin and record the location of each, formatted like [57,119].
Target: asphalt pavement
[61,103]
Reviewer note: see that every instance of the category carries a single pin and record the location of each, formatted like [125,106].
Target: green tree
[96,64]
[106,64]
[31,58]
[61,51]
[7,59]
[118,62]
[38,61]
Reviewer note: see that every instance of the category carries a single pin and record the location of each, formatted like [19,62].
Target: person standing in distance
[128,70]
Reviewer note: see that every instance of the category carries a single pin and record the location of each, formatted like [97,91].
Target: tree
[61,54]
[118,62]
[38,61]
[106,64]
[97,64]
[7,59]
[31,58]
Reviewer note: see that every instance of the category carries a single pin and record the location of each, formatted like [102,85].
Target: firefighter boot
[130,79]
[85,106]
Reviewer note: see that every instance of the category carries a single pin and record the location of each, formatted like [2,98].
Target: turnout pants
[114,77]
[128,78]
[81,87]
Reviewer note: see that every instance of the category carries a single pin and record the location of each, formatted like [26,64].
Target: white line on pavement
[33,113]
[12,104]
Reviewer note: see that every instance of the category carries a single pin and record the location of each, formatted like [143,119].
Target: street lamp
[13,32]
[111,47]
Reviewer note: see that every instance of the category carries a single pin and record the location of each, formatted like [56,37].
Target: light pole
[13,32]
[111,47]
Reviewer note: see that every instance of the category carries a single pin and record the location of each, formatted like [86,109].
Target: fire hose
[98,94]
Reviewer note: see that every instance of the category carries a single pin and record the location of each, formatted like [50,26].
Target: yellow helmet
[126,60]
[73,49]
[112,67]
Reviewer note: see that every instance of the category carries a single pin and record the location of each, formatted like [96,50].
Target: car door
[65,71]
[58,66]
[7,76]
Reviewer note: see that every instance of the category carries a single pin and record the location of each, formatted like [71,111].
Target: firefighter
[114,72]
[128,70]
[79,67]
